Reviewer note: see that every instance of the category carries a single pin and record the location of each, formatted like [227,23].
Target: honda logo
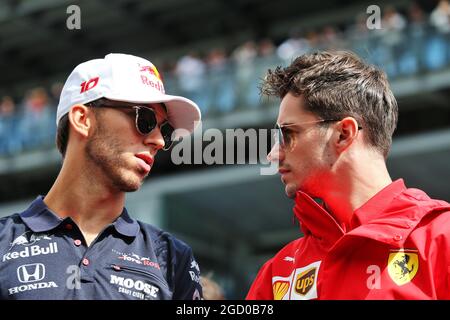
[31,272]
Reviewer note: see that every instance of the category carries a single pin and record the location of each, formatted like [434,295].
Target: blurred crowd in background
[226,79]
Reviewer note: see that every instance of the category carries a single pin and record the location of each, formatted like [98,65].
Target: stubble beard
[106,154]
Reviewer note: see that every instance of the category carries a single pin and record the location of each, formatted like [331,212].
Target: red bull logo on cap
[150,81]
[152,70]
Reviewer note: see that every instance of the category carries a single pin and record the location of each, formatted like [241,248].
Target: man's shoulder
[437,220]
[162,238]
[11,227]
[421,206]
[288,251]
[15,219]
[421,199]
[434,226]
[11,220]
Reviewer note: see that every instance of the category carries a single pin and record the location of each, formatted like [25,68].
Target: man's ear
[347,132]
[80,118]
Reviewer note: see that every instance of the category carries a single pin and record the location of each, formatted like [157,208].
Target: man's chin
[129,188]
[130,185]
[291,190]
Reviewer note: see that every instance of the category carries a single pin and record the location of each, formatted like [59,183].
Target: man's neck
[354,188]
[90,205]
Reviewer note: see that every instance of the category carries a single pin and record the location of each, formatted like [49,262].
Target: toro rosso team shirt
[45,257]
[397,247]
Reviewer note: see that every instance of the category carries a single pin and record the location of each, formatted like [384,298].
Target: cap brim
[183,114]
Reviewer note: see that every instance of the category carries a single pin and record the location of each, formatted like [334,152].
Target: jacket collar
[39,218]
[315,220]
[389,216]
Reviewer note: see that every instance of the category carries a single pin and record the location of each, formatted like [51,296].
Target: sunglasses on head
[145,118]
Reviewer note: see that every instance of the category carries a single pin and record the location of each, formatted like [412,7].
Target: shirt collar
[39,218]
[126,225]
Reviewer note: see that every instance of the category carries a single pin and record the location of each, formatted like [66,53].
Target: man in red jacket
[365,237]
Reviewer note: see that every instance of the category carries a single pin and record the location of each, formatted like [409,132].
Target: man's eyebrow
[287,124]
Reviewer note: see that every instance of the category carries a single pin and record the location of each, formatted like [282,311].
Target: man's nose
[155,139]
[275,154]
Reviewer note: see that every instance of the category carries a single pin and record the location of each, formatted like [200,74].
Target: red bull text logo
[152,70]
[148,81]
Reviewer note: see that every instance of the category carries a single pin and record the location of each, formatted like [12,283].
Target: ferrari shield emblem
[403,265]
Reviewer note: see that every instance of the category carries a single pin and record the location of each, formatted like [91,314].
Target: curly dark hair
[339,84]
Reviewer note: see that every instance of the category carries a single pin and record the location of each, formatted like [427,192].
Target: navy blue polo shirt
[46,257]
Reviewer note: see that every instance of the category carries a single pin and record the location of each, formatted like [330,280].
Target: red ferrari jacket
[397,247]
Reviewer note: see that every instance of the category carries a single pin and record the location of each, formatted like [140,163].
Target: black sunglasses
[145,118]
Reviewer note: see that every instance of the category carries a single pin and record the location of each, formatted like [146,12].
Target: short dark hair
[339,84]
[62,134]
